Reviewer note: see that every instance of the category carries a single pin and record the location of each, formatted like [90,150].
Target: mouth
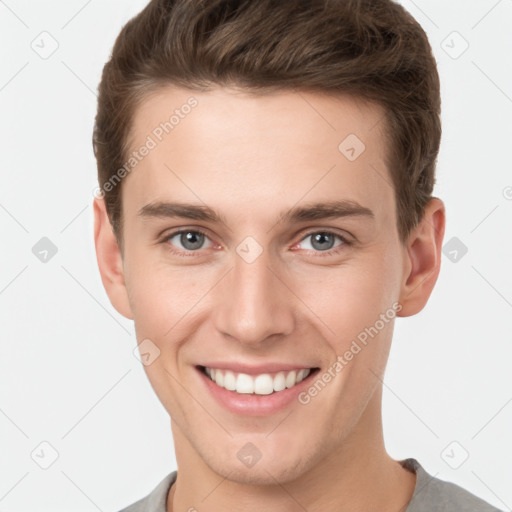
[259,384]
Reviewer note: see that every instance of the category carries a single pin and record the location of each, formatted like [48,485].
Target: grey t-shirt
[430,495]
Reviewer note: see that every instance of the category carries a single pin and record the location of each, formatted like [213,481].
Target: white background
[67,372]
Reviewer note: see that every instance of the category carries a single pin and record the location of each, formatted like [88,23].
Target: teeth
[291,379]
[244,383]
[264,384]
[280,382]
[230,381]
[302,375]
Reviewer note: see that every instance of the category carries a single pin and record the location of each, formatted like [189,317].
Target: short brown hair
[372,49]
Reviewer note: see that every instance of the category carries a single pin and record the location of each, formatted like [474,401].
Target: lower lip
[252,404]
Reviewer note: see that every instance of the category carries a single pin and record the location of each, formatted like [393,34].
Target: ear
[109,259]
[423,259]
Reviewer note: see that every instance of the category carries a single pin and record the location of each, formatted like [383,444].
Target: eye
[192,240]
[189,239]
[324,241]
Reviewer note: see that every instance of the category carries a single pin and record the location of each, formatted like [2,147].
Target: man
[265,212]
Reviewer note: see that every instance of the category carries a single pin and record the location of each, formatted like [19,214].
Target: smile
[261,384]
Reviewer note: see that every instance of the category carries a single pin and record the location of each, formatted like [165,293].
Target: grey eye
[189,240]
[322,241]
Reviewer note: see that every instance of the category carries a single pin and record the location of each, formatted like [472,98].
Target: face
[260,239]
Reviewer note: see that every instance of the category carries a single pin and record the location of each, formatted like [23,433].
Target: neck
[356,475]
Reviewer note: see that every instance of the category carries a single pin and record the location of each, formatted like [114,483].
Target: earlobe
[109,259]
[423,259]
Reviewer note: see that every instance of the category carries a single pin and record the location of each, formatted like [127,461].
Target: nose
[253,303]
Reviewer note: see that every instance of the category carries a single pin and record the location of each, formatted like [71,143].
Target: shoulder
[156,500]
[431,493]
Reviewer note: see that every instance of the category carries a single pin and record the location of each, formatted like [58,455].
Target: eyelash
[329,252]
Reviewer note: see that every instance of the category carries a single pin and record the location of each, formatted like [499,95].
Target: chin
[266,471]
[259,475]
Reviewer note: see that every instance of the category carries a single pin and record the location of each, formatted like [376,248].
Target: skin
[252,158]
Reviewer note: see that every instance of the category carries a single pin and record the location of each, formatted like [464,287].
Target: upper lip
[253,369]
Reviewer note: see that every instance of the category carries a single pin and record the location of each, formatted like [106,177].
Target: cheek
[164,299]
[349,298]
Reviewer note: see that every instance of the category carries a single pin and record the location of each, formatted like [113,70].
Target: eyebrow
[308,212]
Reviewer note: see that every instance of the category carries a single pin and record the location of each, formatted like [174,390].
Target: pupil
[322,237]
[191,240]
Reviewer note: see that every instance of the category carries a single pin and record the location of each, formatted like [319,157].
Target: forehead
[258,151]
